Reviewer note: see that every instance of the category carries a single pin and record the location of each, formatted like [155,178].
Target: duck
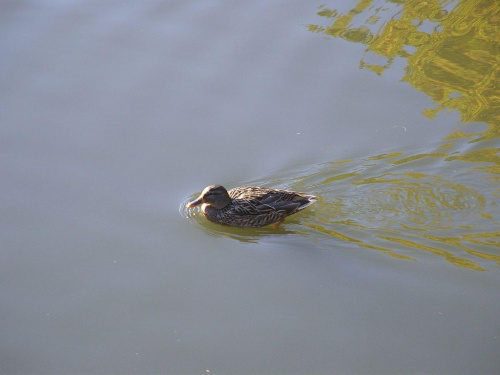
[250,206]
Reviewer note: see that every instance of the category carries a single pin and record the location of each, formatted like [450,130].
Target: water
[115,114]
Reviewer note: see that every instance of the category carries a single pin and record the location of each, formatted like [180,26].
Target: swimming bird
[250,206]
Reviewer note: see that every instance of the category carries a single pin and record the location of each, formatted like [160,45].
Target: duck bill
[195,203]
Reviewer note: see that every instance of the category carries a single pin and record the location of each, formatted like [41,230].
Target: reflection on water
[397,205]
[451,49]
[393,209]
[442,202]
[252,235]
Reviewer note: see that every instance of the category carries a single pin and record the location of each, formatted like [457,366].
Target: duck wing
[252,200]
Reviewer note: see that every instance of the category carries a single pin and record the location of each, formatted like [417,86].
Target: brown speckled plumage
[250,206]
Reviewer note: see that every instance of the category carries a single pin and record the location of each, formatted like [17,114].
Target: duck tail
[305,201]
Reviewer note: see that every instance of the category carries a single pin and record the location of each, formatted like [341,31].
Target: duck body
[250,206]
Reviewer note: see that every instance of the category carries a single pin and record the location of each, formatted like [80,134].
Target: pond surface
[115,114]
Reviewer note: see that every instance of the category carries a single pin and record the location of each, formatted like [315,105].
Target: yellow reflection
[420,156]
[386,251]
[451,49]
[444,203]
[391,155]
[386,207]
[450,257]
[397,212]
[457,241]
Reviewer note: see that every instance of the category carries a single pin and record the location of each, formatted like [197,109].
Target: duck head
[214,195]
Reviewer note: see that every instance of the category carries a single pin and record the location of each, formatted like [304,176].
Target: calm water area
[114,114]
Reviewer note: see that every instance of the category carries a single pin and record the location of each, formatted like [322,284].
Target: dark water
[115,114]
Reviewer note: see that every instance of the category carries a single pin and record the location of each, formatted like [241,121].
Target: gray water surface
[114,113]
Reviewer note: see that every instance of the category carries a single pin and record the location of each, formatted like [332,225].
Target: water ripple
[379,202]
[252,235]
